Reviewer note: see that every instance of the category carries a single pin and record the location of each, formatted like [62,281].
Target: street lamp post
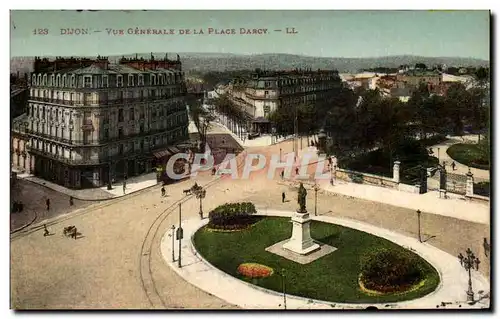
[418,218]
[173,243]
[283,287]
[468,263]
[316,189]
[438,153]
[179,234]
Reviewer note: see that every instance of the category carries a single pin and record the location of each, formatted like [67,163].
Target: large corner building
[91,121]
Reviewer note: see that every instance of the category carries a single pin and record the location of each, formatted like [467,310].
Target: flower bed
[234,216]
[254,270]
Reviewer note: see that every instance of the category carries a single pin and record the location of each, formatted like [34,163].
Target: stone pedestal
[301,241]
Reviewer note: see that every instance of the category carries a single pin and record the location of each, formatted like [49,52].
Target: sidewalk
[263,140]
[430,202]
[198,272]
[134,184]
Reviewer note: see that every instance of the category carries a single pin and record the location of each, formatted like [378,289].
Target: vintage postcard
[334,160]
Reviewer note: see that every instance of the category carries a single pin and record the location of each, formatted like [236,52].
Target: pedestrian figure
[282,174]
[47,203]
[453,165]
[486,247]
[124,187]
[283,197]
[45,231]
[477,262]
[331,181]
[71,203]
[461,258]
[296,171]
[163,191]
[214,170]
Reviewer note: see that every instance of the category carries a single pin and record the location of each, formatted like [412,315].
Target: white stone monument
[301,241]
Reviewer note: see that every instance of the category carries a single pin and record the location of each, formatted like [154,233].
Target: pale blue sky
[320,33]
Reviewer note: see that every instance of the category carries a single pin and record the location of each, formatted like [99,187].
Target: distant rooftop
[417,72]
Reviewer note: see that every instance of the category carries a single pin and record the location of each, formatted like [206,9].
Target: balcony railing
[134,154]
[60,158]
[104,102]
[102,141]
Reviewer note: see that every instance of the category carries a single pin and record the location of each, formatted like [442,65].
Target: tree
[457,102]
[201,118]
[232,112]
[420,66]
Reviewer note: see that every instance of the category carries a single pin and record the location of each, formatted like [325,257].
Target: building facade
[91,121]
[266,91]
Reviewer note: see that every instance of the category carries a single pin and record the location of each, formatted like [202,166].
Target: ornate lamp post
[418,218]
[201,195]
[470,261]
[316,189]
[173,242]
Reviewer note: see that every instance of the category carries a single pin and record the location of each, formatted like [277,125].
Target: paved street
[117,264]
[33,197]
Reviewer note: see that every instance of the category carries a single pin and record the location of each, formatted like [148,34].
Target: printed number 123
[41,31]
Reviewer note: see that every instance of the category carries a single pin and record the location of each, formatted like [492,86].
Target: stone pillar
[395,171]
[469,190]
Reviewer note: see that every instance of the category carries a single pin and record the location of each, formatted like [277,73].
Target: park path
[459,168]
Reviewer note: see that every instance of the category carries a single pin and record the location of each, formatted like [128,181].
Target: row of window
[67,133]
[103,80]
[103,97]
[285,82]
[122,148]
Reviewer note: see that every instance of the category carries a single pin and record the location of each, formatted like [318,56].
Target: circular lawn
[470,155]
[334,277]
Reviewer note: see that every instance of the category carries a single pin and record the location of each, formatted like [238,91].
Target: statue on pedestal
[301,198]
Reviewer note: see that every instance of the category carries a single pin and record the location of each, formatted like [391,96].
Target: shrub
[232,216]
[389,271]
[482,188]
[253,270]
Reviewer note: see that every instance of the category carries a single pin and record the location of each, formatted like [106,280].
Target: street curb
[26,225]
[91,199]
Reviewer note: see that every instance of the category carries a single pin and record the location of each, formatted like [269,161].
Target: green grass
[330,278]
[470,155]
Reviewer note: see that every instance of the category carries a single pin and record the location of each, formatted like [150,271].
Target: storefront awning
[162,153]
[174,150]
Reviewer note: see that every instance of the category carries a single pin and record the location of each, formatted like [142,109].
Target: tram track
[148,283]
